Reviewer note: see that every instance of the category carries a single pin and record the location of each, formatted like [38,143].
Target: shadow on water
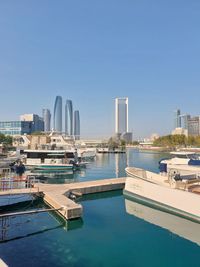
[23,226]
[100,195]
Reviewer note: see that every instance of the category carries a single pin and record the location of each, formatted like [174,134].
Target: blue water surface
[107,235]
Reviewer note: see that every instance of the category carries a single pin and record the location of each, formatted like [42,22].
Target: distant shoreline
[163,149]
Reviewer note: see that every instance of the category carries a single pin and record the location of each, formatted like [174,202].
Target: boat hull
[177,202]
[47,167]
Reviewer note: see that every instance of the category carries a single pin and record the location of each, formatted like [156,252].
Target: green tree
[6,139]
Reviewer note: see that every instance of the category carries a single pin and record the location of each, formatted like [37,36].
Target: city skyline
[93,60]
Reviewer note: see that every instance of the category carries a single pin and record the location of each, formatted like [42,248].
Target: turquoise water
[107,235]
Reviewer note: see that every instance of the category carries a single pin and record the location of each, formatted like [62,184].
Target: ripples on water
[112,232]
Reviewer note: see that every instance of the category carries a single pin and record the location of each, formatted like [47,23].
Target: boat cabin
[48,156]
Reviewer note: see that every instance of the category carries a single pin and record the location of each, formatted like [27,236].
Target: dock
[56,196]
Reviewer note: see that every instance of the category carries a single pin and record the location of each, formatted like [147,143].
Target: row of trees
[5,139]
[177,140]
[115,143]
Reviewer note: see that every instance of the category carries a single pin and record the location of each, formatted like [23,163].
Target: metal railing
[23,182]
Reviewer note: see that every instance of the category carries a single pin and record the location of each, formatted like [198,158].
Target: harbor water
[113,231]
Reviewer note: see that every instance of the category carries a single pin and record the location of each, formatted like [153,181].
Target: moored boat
[175,194]
[51,160]
[185,162]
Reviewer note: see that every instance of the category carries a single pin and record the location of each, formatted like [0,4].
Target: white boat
[52,160]
[68,143]
[86,153]
[175,194]
[175,224]
[185,162]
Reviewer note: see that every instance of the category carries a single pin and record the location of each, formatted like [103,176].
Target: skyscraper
[121,115]
[177,118]
[185,118]
[69,117]
[57,120]
[47,119]
[76,125]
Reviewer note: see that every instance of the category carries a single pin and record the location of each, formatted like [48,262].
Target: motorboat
[175,193]
[51,160]
[185,162]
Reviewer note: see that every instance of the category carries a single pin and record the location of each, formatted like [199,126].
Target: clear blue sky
[92,51]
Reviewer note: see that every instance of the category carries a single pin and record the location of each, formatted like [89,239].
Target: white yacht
[184,162]
[51,160]
[175,193]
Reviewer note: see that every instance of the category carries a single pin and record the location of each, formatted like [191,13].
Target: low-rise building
[28,124]
[180,131]
[37,123]
[15,127]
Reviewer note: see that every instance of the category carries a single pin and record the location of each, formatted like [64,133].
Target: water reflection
[23,226]
[177,225]
[105,166]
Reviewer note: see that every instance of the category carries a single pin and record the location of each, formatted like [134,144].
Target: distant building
[128,137]
[185,118]
[121,120]
[154,136]
[37,123]
[76,125]
[121,115]
[57,115]
[47,120]
[15,127]
[69,118]
[194,126]
[177,118]
[180,131]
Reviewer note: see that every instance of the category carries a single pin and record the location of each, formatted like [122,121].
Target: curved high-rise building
[69,117]
[57,122]
[76,125]
[47,119]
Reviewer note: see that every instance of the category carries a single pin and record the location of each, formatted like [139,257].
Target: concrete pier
[57,195]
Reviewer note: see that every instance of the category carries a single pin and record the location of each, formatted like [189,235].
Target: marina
[101,225]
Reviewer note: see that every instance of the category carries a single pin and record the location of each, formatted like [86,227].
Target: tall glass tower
[121,115]
[69,118]
[47,119]
[57,122]
[177,118]
[76,125]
